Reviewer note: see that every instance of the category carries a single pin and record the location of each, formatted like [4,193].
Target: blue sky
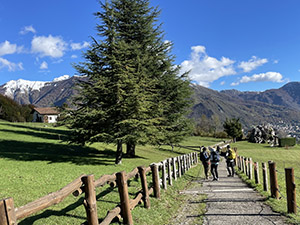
[248,45]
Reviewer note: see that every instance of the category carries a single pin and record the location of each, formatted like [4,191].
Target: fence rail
[85,184]
[244,165]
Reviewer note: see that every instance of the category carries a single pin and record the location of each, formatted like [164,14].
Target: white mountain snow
[26,86]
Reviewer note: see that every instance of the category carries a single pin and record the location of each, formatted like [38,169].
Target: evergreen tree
[133,94]
[233,128]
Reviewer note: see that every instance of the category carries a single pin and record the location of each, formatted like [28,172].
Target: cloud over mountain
[252,64]
[205,69]
[54,47]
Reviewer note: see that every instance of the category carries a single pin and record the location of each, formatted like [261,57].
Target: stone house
[45,115]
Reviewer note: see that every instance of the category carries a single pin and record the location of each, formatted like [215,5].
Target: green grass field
[35,161]
[284,158]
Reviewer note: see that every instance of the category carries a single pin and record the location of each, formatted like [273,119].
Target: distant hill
[252,108]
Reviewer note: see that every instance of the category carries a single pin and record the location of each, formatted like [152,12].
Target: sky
[248,45]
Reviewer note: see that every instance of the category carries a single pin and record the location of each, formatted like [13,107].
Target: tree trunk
[119,153]
[130,149]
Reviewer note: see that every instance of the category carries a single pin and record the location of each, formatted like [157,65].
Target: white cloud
[234,84]
[27,29]
[8,48]
[78,46]
[252,64]
[74,56]
[205,69]
[275,61]
[10,65]
[261,77]
[222,83]
[44,65]
[54,47]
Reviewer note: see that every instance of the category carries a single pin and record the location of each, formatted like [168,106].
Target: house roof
[47,111]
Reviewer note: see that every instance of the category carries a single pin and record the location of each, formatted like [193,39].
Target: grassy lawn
[35,161]
[284,158]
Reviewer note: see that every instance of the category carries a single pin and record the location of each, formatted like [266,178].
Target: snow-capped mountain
[41,93]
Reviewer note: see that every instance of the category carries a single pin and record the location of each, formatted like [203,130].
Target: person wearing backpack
[204,157]
[230,158]
[214,162]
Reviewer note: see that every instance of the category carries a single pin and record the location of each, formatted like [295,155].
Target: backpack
[215,157]
[204,156]
[231,154]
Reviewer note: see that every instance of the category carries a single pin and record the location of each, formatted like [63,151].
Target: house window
[50,118]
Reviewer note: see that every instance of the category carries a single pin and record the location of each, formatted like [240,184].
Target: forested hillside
[13,111]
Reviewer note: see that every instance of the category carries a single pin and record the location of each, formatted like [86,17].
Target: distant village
[288,129]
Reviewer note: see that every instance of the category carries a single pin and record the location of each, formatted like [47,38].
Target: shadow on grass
[55,153]
[44,135]
[165,149]
[39,129]
[48,212]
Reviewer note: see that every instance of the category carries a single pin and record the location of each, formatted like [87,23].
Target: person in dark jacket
[204,157]
[214,162]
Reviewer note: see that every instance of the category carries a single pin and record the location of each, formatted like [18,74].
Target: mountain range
[270,106]
[41,93]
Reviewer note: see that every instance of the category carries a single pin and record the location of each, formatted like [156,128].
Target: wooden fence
[247,166]
[170,169]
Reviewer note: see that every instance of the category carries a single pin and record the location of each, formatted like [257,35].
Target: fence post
[169,172]
[164,175]
[155,180]
[250,169]
[247,166]
[243,164]
[193,158]
[240,163]
[185,163]
[290,190]
[182,165]
[256,172]
[273,180]
[7,212]
[179,166]
[124,198]
[142,172]
[265,176]
[90,202]
[174,168]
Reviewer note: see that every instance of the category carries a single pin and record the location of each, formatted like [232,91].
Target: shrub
[288,141]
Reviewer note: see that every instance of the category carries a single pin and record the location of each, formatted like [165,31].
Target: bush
[221,134]
[289,141]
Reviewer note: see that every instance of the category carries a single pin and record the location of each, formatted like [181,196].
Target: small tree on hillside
[233,128]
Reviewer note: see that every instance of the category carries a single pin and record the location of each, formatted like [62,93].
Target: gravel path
[229,201]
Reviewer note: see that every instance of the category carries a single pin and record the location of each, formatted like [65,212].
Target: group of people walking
[212,158]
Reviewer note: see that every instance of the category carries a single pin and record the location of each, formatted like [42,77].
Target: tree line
[13,111]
